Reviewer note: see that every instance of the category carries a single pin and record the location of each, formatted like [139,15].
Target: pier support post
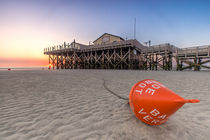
[49,63]
[57,62]
[129,58]
[156,61]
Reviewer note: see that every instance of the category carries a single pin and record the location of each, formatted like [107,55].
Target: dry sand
[73,104]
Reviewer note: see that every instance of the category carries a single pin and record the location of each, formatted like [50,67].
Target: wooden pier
[193,58]
[126,54]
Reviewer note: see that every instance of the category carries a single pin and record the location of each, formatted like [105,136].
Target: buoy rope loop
[112,92]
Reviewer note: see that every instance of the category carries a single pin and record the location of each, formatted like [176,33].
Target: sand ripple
[74,105]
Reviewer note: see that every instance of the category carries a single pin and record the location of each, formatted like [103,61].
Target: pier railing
[152,49]
[203,51]
[83,48]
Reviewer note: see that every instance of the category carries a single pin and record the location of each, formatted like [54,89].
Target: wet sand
[73,104]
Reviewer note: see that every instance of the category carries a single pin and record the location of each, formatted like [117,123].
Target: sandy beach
[74,105]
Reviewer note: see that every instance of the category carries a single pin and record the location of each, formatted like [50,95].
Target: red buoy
[9,69]
[153,103]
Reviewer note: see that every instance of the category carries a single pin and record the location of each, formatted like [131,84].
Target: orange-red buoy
[153,103]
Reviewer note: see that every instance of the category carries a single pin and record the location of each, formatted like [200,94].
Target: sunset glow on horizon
[29,26]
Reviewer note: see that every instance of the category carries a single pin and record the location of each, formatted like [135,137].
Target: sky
[29,26]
